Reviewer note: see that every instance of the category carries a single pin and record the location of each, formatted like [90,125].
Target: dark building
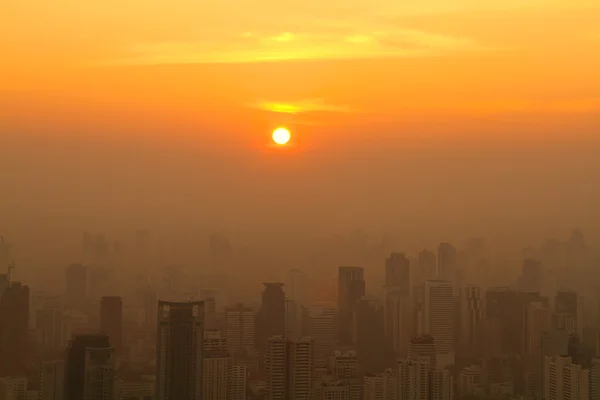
[372,349]
[111,320]
[76,286]
[397,273]
[270,319]
[14,325]
[447,262]
[75,362]
[351,289]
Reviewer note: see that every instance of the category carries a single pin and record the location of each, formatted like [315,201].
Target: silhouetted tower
[180,350]
[447,262]
[76,286]
[75,363]
[111,320]
[270,320]
[351,289]
[426,266]
[14,325]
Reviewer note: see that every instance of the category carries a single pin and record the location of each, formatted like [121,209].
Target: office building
[270,319]
[52,380]
[76,286]
[438,318]
[324,328]
[564,380]
[300,365]
[180,350]
[111,320]
[351,289]
[14,329]
[447,262]
[412,379]
[100,374]
[78,359]
[398,316]
[217,367]
[471,320]
[275,368]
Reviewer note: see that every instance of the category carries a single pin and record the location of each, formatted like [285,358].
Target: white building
[180,347]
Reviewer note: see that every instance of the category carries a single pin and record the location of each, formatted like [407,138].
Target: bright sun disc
[281,136]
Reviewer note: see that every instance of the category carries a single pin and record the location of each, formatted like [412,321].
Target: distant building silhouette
[270,319]
[53,380]
[76,361]
[351,289]
[180,350]
[76,286]
[447,262]
[111,320]
[14,328]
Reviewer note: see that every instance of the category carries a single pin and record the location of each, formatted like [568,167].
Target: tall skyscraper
[53,380]
[76,286]
[298,288]
[76,361]
[437,317]
[51,328]
[398,316]
[111,320]
[471,320]
[218,366]
[180,350]
[237,383]
[531,276]
[447,262]
[14,327]
[412,380]
[240,329]
[351,289]
[275,368]
[300,368]
[100,374]
[426,266]
[270,320]
[564,380]
[324,328]
[294,319]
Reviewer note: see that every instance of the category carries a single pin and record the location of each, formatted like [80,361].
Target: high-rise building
[471,320]
[298,288]
[324,328]
[111,320]
[237,383]
[537,320]
[52,380]
[531,276]
[412,380]
[270,319]
[568,312]
[345,366]
[300,368]
[275,368]
[99,374]
[441,385]
[438,319]
[564,380]
[13,388]
[447,262]
[380,386]
[76,361]
[426,266]
[180,349]
[398,315]
[351,289]
[14,327]
[294,319]
[423,348]
[76,286]
[332,389]
[371,344]
[239,328]
[51,328]
[218,366]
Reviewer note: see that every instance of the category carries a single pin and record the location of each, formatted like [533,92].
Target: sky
[447,113]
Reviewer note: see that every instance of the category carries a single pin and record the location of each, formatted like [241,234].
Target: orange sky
[310,64]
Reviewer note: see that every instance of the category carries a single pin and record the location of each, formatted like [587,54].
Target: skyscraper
[298,288]
[53,380]
[240,329]
[14,326]
[412,380]
[76,286]
[398,304]
[300,368]
[324,328]
[111,320]
[270,320]
[76,361]
[275,368]
[447,262]
[99,374]
[180,355]
[218,366]
[426,266]
[437,317]
[351,288]
[471,319]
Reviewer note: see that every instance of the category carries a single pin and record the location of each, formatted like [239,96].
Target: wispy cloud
[299,107]
[287,45]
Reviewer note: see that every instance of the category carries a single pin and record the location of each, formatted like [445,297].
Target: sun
[281,136]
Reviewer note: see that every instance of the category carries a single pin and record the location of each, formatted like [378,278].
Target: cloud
[287,45]
[299,107]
